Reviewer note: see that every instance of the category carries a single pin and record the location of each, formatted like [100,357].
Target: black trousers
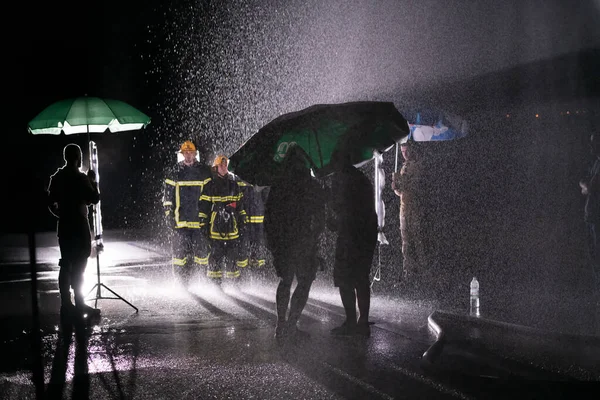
[74,253]
[225,259]
[189,249]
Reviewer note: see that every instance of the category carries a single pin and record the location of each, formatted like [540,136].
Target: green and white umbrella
[87,115]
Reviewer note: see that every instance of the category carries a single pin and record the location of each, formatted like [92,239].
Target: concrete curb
[498,349]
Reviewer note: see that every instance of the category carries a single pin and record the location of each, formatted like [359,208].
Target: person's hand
[91,175]
[168,217]
[242,229]
[205,229]
[584,187]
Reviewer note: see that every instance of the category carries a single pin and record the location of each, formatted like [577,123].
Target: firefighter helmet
[187,146]
[219,159]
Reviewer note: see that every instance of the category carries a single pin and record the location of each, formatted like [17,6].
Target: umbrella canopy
[321,132]
[87,114]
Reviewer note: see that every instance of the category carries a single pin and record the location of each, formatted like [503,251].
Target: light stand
[97,219]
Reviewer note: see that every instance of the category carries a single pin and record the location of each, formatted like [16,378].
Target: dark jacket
[222,206]
[182,190]
[354,207]
[294,212]
[70,192]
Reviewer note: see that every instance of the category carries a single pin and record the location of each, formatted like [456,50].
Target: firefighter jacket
[254,203]
[222,206]
[182,191]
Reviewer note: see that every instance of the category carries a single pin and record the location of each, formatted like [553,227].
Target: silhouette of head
[342,158]
[294,163]
[72,155]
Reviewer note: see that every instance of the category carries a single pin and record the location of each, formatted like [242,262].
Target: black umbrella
[321,131]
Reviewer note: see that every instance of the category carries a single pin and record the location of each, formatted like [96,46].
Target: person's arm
[52,198]
[396,184]
[584,182]
[241,207]
[90,188]
[205,206]
[169,187]
[584,187]
[400,181]
[333,205]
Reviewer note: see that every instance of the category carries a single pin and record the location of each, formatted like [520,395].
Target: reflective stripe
[201,261]
[193,183]
[167,212]
[229,236]
[188,224]
[242,263]
[179,261]
[256,219]
[202,215]
[214,274]
[235,274]
[184,224]
[177,204]
[223,199]
[261,263]
[167,203]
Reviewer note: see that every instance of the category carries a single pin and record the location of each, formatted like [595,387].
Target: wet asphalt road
[210,344]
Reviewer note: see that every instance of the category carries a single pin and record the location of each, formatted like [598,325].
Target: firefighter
[224,218]
[182,191]
[254,246]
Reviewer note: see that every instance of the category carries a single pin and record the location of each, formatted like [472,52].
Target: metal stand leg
[99,285]
[98,232]
[377,276]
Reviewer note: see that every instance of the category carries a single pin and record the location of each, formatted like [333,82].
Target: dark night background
[503,199]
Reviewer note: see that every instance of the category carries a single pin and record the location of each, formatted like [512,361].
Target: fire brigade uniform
[222,209]
[255,198]
[182,191]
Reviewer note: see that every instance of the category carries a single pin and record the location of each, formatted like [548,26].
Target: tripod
[97,218]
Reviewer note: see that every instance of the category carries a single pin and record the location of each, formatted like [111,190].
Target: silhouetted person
[590,187]
[294,219]
[355,221]
[70,192]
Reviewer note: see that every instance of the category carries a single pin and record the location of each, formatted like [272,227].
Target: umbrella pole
[98,237]
[396,163]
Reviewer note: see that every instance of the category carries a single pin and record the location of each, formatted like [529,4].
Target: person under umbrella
[70,192]
[355,221]
[294,219]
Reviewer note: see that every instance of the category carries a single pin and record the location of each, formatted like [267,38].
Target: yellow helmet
[219,159]
[187,146]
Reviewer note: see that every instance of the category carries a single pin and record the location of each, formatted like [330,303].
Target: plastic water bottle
[474,298]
